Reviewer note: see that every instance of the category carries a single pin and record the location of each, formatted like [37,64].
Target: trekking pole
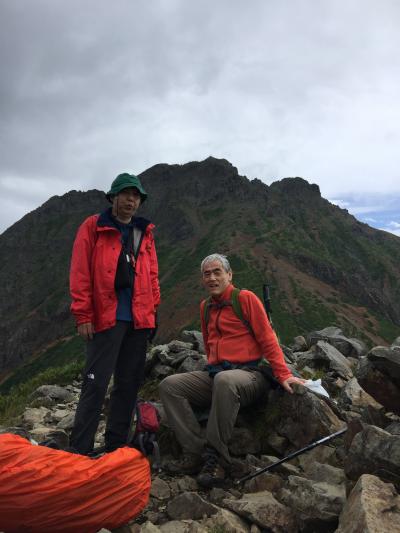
[267,302]
[291,456]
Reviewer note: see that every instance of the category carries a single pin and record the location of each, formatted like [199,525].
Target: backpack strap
[237,309]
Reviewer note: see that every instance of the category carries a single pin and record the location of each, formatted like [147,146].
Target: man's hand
[86,331]
[286,384]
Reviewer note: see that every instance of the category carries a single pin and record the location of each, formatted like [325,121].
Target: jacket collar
[106,220]
[226,295]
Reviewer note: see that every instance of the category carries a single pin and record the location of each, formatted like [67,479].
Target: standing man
[115,293]
[234,346]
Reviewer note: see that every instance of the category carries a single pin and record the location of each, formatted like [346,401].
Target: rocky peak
[295,187]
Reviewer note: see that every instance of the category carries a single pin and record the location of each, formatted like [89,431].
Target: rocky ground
[350,484]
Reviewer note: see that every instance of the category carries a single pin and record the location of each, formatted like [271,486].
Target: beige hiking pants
[226,393]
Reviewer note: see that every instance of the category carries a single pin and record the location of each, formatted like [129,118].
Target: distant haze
[279,88]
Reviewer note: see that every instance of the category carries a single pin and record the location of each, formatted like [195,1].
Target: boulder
[317,503]
[326,473]
[372,507]
[387,360]
[396,343]
[192,363]
[302,417]
[35,416]
[244,441]
[326,357]
[196,338]
[374,451]
[43,434]
[160,489]
[190,505]
[55,392]
[264,510]
[349,347]
[226,521]
[299,344]
[378,383]
[354,398]
[176,346]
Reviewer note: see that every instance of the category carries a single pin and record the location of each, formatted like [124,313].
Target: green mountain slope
[324,267]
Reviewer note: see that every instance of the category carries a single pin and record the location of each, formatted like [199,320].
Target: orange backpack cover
[44,490]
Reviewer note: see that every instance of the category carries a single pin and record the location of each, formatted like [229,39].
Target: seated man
[234,347]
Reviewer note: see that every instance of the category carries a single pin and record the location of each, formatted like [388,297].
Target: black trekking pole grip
[290,456]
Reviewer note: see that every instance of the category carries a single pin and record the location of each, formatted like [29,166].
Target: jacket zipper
[219,331]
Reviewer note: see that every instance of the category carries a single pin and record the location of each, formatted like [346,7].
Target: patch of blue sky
[381,211]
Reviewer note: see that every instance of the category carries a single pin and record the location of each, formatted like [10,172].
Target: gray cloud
[279,88]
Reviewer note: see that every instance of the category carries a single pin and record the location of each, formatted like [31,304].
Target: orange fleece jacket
[227,339]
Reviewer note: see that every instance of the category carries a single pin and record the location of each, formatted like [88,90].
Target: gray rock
[334,336]
[372,507]
[326,473]
[396,343]
[67,422]
[196,338]
[285,468]
[174,359]
[22,432]
[288,353]
[387,360]
[41,434]
[190,364]
[35,416]
[393,428]
[379,384]
[227,522]
[299,344]
[190,505]
[264,510]
[43,401]
[267,481]
[276,442]
[179,346]
[353,397]
[148,527]
[175,526]
[320,454]
[374,451]
[55,392]
[244,441]
[318,503]
[292,410]
[187,484]
[323,356]
[153,357]
[217,495]
[160,489]
[160,371]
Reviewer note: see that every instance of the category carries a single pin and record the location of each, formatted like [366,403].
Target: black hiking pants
[121,351]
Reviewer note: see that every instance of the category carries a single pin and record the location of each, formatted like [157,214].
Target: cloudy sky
[280,88]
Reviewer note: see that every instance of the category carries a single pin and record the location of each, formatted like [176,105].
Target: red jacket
[227,338]
[93,266]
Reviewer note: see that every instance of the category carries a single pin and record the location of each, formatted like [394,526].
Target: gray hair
[216,257]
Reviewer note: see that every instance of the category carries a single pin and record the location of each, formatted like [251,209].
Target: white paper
[315,386]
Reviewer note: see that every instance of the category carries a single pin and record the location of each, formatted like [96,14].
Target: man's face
[215,278]
[126,203]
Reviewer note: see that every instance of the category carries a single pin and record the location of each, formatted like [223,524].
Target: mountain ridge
[323,265]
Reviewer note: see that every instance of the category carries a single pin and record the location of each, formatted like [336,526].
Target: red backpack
[147,423]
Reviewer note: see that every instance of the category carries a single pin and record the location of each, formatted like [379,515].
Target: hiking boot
[190,464]
[213,473]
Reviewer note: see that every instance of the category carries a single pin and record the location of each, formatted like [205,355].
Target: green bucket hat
[124,181]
